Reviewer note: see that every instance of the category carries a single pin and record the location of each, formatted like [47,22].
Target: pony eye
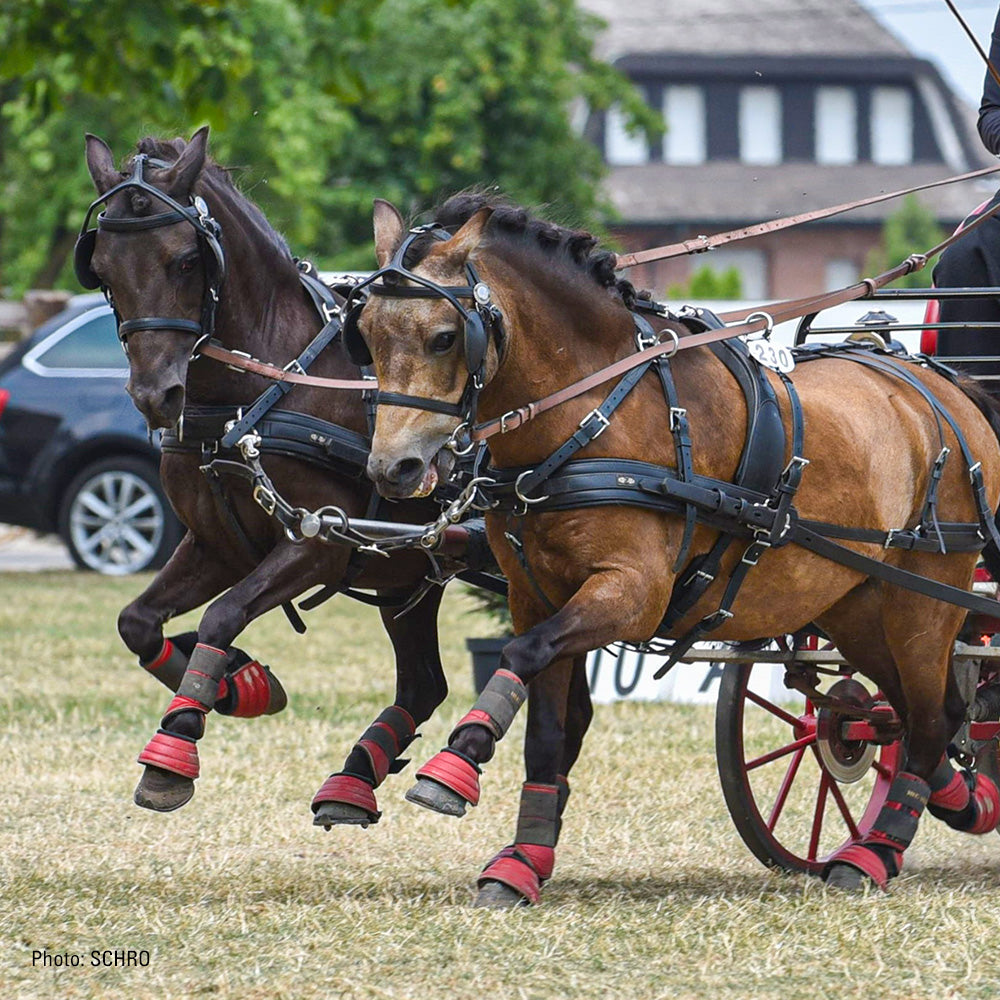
[443,342]
[188,263]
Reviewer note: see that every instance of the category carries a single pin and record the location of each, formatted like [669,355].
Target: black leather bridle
[482,321]
[197,215]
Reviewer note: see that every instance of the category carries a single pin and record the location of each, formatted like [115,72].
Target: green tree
[320,104]
[910,229]
[707,283]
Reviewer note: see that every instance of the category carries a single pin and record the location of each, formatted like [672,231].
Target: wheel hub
[846,760]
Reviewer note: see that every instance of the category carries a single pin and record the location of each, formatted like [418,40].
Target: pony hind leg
[348,795]
[904,643]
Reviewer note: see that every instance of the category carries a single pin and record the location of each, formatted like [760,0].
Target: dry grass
[237,895]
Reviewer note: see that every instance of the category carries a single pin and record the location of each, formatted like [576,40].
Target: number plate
[773,356]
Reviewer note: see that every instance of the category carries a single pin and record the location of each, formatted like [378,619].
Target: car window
[90,343]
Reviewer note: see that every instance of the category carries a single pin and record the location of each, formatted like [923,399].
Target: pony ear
[389,228]
[469,237]
[101,164]
[180,177]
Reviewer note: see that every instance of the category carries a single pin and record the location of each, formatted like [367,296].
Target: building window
[760,125]
[684,111]
[892,126]
[840,272]
[620,148]
[836,125]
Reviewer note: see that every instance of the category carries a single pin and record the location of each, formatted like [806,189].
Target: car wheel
[115,518]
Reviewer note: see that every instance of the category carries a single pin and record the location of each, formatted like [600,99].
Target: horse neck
[560,328]
[262,309]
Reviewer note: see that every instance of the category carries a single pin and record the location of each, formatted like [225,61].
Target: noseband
[197,215]
[480,322]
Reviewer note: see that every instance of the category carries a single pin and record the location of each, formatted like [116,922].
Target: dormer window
[760,125]
[684,114]
[622,149]
[836,128]
[891,126]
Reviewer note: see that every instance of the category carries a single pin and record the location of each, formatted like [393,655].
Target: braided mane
[574,247]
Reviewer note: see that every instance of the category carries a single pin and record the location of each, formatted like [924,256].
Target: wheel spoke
[817,825]
[781,752]
[786,787]
[93,503]
[140,545]
[769,706]
[838,797]
[144,503]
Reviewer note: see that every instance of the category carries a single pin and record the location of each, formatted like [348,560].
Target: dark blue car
[75,457]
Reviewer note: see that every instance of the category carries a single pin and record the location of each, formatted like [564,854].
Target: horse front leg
[218,676]
[552,743]
[616,603]
[191,576]
[348,796]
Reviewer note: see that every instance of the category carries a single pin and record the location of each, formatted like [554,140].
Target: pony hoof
[342,813]
[497,896]
[845,877]
[436,797]
[162,791]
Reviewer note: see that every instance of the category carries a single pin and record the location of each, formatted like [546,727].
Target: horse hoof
[433,795]
[845,877]
[341,813]
[162,791]
[497,896]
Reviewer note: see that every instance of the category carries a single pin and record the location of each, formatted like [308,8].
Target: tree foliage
[707,283]
[910,229]
[321,105]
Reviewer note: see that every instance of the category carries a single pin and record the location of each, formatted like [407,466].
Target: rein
[701,244]
[762,320]
[243,362]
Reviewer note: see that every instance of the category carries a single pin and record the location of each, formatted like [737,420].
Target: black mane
[213,176]
[575,247]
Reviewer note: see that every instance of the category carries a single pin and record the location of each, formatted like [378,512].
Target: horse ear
[101,164]
[389,228]
[469,237]
[180,177]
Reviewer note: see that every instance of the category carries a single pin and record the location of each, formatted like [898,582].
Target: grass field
[238,896]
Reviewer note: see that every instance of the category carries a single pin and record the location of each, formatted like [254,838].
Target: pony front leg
[515,876]
[217,676]
[616,603]
[348,795]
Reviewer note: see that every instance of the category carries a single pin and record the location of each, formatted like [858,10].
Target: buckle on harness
[241,354]
[265,498]
[601,418]
[509,415]
[294,366]
[677,414]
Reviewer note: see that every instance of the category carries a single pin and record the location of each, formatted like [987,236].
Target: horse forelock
[576,251]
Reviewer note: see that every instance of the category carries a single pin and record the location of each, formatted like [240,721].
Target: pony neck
[560,327]
[262,308]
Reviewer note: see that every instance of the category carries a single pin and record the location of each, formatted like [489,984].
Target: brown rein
[236,359]
[769,315]
[702,243]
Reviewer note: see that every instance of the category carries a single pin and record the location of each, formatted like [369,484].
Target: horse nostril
[173,401]
[404,469]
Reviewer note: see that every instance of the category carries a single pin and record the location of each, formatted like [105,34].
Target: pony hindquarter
[585,576]
[185,256]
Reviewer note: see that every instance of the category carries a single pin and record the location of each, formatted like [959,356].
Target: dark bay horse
[161,266]
[875,434]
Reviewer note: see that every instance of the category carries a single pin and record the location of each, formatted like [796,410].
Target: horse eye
[188,263]
[443,342]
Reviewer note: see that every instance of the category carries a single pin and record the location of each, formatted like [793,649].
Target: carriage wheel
[796,790]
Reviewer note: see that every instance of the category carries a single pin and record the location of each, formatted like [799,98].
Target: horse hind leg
[874,629]
[348,796]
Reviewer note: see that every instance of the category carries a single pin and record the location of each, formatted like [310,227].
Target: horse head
[433,351]
[155,251]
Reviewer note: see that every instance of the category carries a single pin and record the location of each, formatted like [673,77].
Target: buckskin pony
[182,255]
[665,502]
